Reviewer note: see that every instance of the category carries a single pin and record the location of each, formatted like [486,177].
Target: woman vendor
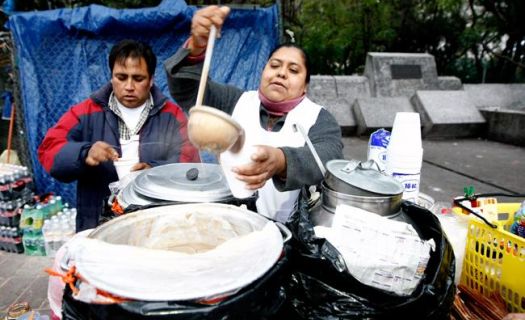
[282,163]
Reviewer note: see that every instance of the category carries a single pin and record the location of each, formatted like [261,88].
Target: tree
[501,38]
[339,33]
[476,40]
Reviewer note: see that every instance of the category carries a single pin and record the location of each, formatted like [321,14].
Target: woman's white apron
[272,203]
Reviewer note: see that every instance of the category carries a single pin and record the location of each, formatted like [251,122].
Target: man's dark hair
[303,54]
[134,49]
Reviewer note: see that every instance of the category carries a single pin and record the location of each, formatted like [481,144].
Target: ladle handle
[311,147]
[206,66]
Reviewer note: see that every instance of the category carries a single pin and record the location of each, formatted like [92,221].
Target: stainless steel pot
[322,213]
[360,179]
[360,185]
[382,205]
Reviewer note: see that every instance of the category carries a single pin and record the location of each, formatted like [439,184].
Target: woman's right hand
[200,26]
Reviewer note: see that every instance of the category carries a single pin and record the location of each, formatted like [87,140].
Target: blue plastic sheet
[62,57]
[8,101]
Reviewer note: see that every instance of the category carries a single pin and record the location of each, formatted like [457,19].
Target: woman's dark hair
[303,54]
[134,49]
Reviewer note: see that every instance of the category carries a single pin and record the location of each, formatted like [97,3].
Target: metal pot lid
[129,196]
[363,175]
[183,182]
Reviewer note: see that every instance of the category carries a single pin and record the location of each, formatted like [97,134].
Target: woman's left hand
[266,162]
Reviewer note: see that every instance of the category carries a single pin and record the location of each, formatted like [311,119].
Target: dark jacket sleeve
[62,152]
[183,84]
[301,167]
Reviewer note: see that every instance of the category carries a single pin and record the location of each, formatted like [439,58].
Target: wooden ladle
[208,128]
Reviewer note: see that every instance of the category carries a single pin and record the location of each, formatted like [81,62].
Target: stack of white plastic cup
[404,155]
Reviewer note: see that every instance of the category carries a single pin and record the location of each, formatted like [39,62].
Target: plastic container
[377,145]
[404,155]
[495,259]
[32,217]
[33,241]
[10,240]
[50,233]
[455,226]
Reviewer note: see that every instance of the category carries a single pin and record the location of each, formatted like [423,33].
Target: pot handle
[352,165]
[287,234]
[369,165]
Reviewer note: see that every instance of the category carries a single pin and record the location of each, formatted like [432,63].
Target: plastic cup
[124,166]
[406,131]
[228,160]
[404,153]
[404,162]
[406,168]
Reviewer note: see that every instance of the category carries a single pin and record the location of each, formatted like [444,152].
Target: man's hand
[267,162]
[140,166]
[100,152]
[201,24]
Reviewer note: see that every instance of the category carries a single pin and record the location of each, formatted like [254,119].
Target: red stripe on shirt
[188,153]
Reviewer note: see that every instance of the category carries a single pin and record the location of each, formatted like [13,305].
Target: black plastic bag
[320,287]
[260,300]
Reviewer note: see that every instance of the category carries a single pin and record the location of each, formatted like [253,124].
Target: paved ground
[22,278]
[448,167]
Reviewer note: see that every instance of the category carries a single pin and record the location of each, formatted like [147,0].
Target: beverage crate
[495,259]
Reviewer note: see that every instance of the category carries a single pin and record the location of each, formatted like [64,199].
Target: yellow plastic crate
[495,259]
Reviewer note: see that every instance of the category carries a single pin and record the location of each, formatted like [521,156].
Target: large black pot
[260,298]
[320,287]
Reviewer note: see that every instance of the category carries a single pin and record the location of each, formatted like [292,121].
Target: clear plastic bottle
[57,224]
[66,231]
[38,215]
[49,237]
[59,203]
[74,218]
[52,207]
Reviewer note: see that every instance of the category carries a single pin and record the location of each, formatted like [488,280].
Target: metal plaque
[406,71]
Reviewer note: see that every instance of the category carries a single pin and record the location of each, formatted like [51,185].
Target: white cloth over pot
[157,266]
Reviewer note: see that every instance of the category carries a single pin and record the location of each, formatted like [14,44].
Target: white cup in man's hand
[124,166]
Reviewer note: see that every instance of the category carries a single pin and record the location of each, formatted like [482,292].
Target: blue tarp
[62,57]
